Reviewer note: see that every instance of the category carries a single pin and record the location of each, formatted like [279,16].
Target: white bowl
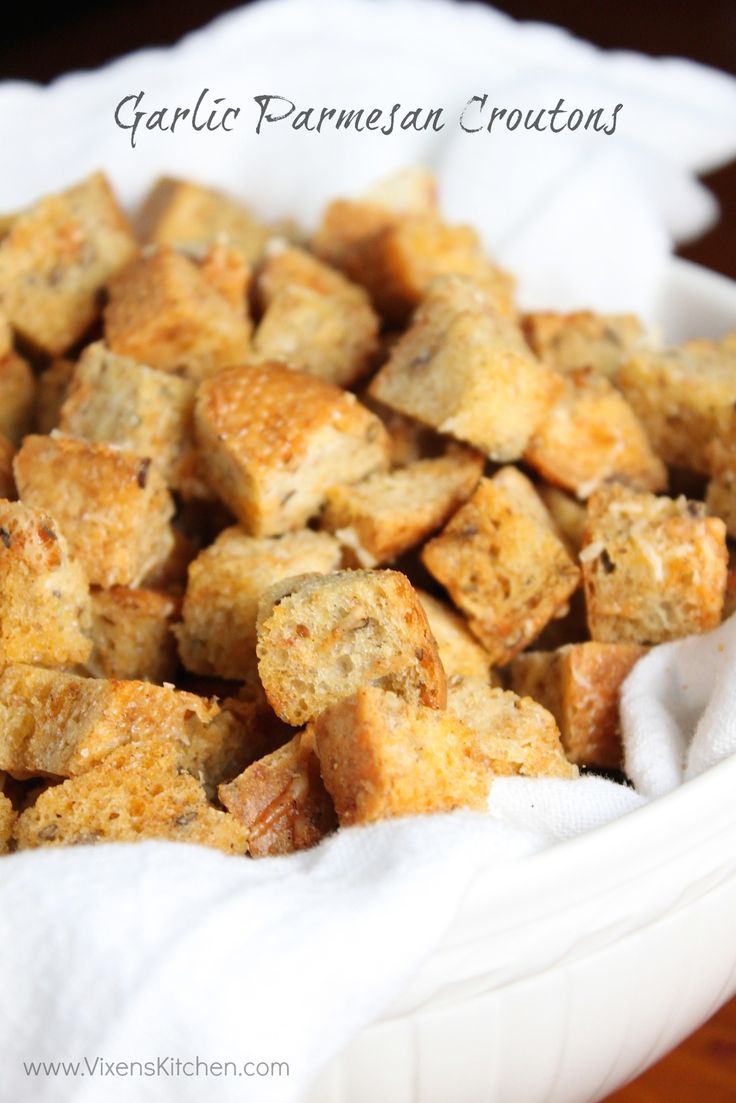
[586,964]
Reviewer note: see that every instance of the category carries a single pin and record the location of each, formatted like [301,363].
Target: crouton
[226,271]
[115,400]
[503,564]
[584,339]
[460,653]
[112,505]
[409,190]
[466,371]
[314,319]
[138,792]
[385,515]
[568,515]
[513,735]
[17,397]
[7,823]
[163,312]
[654,569]
[217,634]
[273,441]
[131,635]
[44,594]
[591,435]
[7,481]
[52,387]
[721,493]
[683,398]
[282,801]
[320,637]
[381,757]
[193,217]
[580,685]
[56,259]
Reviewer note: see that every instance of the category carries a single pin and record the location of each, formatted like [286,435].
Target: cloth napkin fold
[162,951]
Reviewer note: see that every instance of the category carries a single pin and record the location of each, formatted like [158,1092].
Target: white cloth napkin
[164,951]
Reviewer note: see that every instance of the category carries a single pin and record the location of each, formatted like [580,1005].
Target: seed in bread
[193,217]
[684,398]
[387,514]
[580,686]
[163,312]
[111,504]
[503,564]
[17,396]
[7,479]
[217,634]
[273,441]
[460,653]
[44,594]
[281,800]
[382,756]
[584,339]
[465,370]
[132,635]
[654,568]
[320,637]
[138,792]
[591,435]
[7,823]
[56,259]
[513,734]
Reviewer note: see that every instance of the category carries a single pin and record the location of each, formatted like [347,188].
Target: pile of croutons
[306,532]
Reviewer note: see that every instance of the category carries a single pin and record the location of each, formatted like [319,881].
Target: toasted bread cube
[513,735]
[163,312]
[684,398]
[7,480]
[136,793]
[382,756]
[460,653]
[52,388]
[227,272]
[44,594]
[282,800]
[112,505]
[580,685]
[57,258]
[592,435]
[584,339]
[503,564]
[466,371]
[314,319]
[17,397]
[654,569]
[721,493]
[385,515]
[217,634]
[320,637]
[568,515]
[273,441]
[132,635]
[115,400]
[7,823]
[193,217]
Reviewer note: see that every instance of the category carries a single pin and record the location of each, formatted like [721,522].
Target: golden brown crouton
[56,259]
[194,217]
[273,441]
[138,792]
[112,505]
[568,515]
[226,581]
[684,398]
[460,653]
[513,735]
[7,823]
[654,569]
[227,272]
[314,319]
[721,493]
[584,339]
[580,684]
[114,400]
[52,387]
[320,637]
[503,564]
[385,515]
[282,800]
[17,396]
[381,757]
[44,595]
[163,312]
[591,435]
[467,371]
[132,636]
[7,481]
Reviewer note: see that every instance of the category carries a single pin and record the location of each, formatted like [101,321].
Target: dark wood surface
[40,42]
